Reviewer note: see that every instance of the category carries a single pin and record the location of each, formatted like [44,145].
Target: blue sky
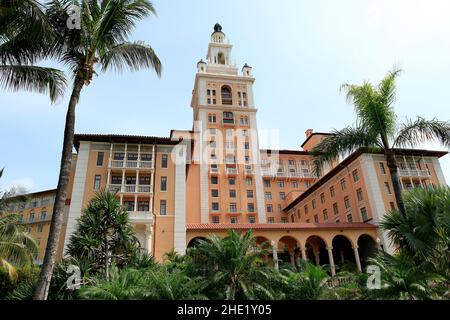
[300,51]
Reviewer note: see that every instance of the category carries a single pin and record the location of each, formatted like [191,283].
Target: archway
[288,249]
[316,251]
[226,96]
[194,241]
[367,248]
[343,254]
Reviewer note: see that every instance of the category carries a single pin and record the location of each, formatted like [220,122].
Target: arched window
[221,58]
[226,95]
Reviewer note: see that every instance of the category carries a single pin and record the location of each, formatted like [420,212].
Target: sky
[300,51]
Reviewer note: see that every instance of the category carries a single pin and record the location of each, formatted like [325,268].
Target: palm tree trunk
[45,276]
[393,170]
[106,258]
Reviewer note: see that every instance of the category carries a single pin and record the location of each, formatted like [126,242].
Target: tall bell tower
[228,153]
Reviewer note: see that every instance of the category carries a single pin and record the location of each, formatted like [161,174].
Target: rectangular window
[97,182]
[349,217]
[392,205]
[162,207]
[388,188]
[40,227]
[325,215]
[215,219]
[43,215]
[249,193]
[212,118]
[131,180]
[119,156]
[231,181]
[164,161]
[208,92]
[251,219]
[355,175]
[132,156]
[306,209]
[359,194]
[313,203]
[269,208]
[163,183]
[233,220]
[284,220]
[335,208]
[347,202]
[281,184]
[382,168]
[232,193]
[332,192]
[270,220]
[215,206]
[246,145]
[250,207]
[282,195]
[279,207]
[268,195]
[248,181]
[214,193]
[232,207]
[146,157]
[322,198]
[343,184]
[214,180]
[316,218]
[364,216]
[143,206]
[100,156]
[294,184]
[129,205]
[267,183]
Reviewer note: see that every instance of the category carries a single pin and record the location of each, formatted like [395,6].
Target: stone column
[304,257]
[275,254]
[330,257]
[148,238]
[316,256]
[358,261]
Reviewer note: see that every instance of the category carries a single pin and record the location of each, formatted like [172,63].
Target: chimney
[308,133]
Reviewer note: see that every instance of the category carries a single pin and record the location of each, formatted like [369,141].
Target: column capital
[355,247]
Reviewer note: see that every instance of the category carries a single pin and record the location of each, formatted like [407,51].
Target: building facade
[215,177]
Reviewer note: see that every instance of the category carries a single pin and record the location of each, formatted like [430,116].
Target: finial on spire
[217,27]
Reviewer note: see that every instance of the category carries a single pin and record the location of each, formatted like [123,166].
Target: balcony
[129,188]
[248,171]
[213,171]
[232,171]
[140,217]
[413,172]
[130,164]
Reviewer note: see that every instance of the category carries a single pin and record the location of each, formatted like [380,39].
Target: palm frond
[33,78]
[135,56]
[413,133]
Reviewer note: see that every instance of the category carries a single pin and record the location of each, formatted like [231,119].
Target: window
[250,207]
[215,219]
[116,180]
[97,182]
[244,120]
[382,168]
[212,118]
[388,188]
[144,180]
[214,180]
[100,156]
[232,207]
[130,180]
[346,202]
[132,156]
[337,220]
[248,181]
[313,203]
[343,184]
[146,157]
[282,195]
[225,92]
[268,195]
[306,208]
[163,183]
[270,220]
[164,161]
[40,227]
[246,145]
[364,216]
[291,162]
[308,184]
[267,183]
[143,206]
[335,208]
[359,194]
[269,208]
[349,217]
[284,220]
[251,219]
[279,207]
[232,193]
[355,175]
[316,218]
[249,193]
[162,207]
[325,215]
[233,220]
[294,184]
[119,156]
[214,193]
[332,192]
[231,181]
[208,92]
[43,215]
[228,117]
[281,184]
[129,205]
[215,206]
[392,205]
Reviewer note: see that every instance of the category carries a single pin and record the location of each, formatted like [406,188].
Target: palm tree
[233,266]
[101,44]
[24,40]
[17,247]
[377,128]
[104,234]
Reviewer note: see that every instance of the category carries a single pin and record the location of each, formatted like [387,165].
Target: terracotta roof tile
[276,226]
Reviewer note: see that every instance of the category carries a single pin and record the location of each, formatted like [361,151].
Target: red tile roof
[276,226]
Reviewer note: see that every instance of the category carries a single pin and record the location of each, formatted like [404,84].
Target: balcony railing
[140,216]
[232,171]
[413,172]
[129,188]
[130,164]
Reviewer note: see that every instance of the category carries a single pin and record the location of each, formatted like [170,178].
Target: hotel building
[215,177]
